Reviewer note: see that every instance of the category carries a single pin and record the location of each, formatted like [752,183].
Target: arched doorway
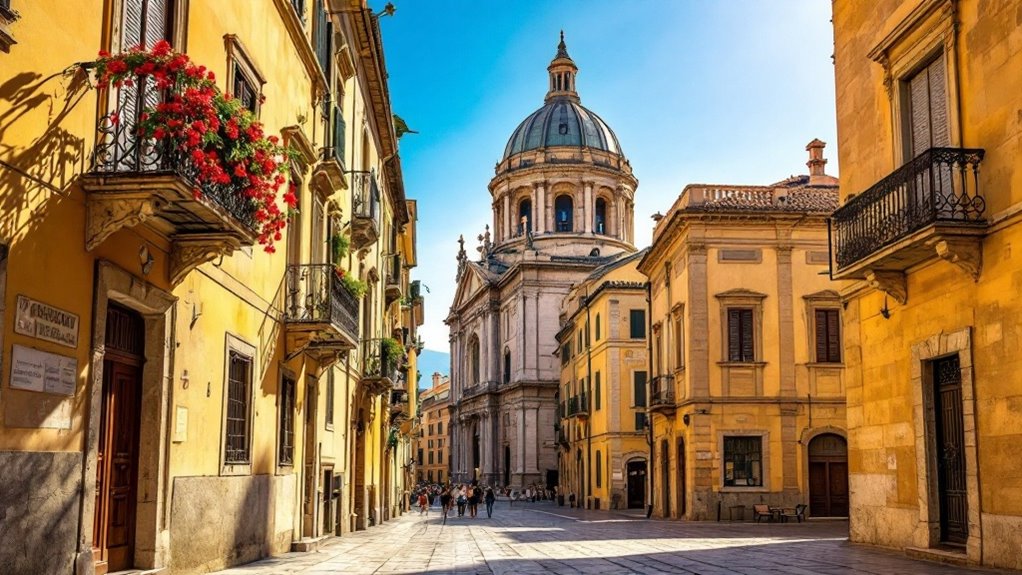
[828,476]
[636,483]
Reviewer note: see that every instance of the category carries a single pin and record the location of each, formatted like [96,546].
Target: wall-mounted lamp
[184,379]
[885,311]
[388,10]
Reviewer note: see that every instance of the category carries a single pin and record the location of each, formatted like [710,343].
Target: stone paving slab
[540,539]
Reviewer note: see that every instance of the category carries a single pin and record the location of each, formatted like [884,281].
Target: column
[486,341]
[587,207]
[539,209]
[620,209]
[520,448]
[484,445]
[531,421]
[508,230]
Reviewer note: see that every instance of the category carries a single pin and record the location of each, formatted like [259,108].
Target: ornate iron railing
[940,185]
[315,294]
[120,150]
[578,405]
[365,195]
[377,361]
[661,391]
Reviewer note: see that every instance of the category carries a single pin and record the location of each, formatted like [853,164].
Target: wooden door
[828,476]
[117,453]
[951,489]
[682,496]
[636,484]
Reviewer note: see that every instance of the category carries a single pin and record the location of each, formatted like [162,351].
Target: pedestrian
[571,500]
[490,499]
[461,501]
[445,501]
[474,495]
[423,503]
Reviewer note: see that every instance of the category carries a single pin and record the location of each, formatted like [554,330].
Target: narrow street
[542,538]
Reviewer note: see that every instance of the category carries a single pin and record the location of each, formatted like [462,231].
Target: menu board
[35,370]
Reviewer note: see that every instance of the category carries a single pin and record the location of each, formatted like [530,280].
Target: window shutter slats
[748,351]
[821,335]
[734,334]
[833,336]
[940,136]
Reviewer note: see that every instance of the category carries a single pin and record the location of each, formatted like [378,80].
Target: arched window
[600,223]
[524,211]
[564,210]
[473,360]
[507,365]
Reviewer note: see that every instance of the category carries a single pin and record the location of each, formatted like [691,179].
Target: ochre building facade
[209,403]
[746,394]
[930,144]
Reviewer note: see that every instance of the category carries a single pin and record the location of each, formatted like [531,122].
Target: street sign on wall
[35,370]
[37,319]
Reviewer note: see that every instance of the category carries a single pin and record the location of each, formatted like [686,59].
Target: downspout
[649,379]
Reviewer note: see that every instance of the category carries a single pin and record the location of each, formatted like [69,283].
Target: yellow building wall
[946,312]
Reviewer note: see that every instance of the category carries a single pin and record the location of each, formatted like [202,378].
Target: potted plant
[339,244]
[355,286]
[214,133]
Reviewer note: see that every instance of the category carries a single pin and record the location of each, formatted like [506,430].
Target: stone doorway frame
[152,520]
[927,534]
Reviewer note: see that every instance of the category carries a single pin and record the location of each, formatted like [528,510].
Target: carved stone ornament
[189,253]
[107,215]
[891,283]
[966,254]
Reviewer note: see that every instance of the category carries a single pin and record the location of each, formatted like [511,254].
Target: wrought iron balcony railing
[661,392]
[939,186]
[380,363]
[578,405]
[365,208]
[316,296]
[120,151]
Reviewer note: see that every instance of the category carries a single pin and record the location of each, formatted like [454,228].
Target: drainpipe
[649,380]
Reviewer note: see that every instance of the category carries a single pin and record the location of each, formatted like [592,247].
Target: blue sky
[705,91]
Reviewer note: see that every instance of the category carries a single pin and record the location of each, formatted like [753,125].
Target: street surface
[535,538]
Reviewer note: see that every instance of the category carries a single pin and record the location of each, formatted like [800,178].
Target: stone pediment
[470,283]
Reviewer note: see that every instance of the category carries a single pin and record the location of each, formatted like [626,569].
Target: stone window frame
[235,343]
[678,330]
[286,373]
[744,299]
[764,454]
[240,60]
[913,43]
[923,355]
[829,300]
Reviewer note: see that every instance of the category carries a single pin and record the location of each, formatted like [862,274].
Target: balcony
[320,314]
[133,181]
[930,207]
[365,209]
[379,366]
[330,167]
[661,394]
[562,438]
[578,406]
[392,290]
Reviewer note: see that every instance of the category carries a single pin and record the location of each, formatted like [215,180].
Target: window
[244,90]
[430,429]
[429,444]
[439,457]
[429,476]
[600,222]
[828,335]
[740,344]
[565,353]
[330,398]
[743,461]
[431,458]
[299,6]
[679,343]
[639,388]
[927,113]
[596,390]
[239,384]
[321,32]
[420,456]
[244,81]
[524,216]
[286,439]
[640,420]
[563,210]
[579,341]
[599,469]
[507,365]
[597,327]
[473,355]
[637,319]
[440,428]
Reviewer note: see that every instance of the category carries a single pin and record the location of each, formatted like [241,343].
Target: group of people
[466,497]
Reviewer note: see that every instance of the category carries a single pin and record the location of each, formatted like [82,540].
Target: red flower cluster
[216,132]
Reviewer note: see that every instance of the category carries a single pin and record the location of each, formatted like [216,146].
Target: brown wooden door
[828,476]
[636,484]
[951,489]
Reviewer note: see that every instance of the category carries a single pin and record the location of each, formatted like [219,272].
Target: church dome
[562,121]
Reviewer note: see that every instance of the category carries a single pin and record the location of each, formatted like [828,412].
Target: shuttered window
[828,336]
[321,32]
[286,445]
[740,336]
[597,392]
[927,102]
[244,90]
[679,341]
[330,397]
[639,388]
[239,383]
[637,320]
[599,469]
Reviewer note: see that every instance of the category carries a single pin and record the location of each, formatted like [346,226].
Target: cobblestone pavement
[542,538]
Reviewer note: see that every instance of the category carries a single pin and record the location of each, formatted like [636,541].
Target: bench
[761,511]
[799,513]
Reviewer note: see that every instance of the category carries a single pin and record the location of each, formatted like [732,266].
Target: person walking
[490,499]
[423,502]
[445,501]
[474,495]
[461,500]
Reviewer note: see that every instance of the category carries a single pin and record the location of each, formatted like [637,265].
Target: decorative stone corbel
[107,215]
[966,254]
[190,252]
[891,283]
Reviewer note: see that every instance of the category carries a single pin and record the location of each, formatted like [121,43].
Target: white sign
[35,370]
[36,319]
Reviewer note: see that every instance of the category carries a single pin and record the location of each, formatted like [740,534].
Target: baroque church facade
[562,206]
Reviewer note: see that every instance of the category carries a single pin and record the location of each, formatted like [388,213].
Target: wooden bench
[799,513]
[761,511]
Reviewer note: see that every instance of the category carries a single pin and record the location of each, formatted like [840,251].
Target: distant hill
[431,361]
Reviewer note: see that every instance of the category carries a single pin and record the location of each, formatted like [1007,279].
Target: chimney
[816,160]
[437,378]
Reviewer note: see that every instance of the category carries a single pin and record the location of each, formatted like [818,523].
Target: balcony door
[926,126]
